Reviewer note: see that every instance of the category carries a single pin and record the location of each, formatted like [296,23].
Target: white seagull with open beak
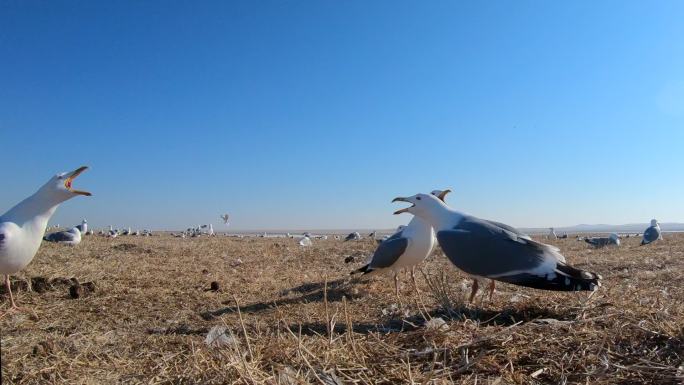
[404,249]
[23,226]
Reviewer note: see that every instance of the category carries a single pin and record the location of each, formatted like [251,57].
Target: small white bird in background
[652,233]
[71,237]
[225,218]
[552,233]
[23,226]
[355,236]
[83,227]
[305,241]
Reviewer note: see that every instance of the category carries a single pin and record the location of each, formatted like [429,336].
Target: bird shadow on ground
[317,286]
[310,292]
[505,317]
[341,288]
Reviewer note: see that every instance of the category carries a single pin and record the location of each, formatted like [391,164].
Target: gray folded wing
[651,234]
[599,242]
[389,251]
[509,228]
[485,249]
[61,236]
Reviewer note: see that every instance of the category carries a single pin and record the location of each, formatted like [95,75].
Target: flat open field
[148,316]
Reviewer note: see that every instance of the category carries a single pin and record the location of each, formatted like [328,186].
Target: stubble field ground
[291,316]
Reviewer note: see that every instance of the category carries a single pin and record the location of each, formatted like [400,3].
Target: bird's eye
[418,198]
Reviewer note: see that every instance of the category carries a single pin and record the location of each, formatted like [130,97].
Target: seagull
[355,236]
[552,233]
[71,237]
[600,242]
[83,227]
[305,241]
[405,248]
[112,233]
[225,218]
[652,233]
[23,226]
[497,251]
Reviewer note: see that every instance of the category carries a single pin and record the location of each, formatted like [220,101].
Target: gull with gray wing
[71,237]
[490,250]
[600,242]
[404,249]
[652,233]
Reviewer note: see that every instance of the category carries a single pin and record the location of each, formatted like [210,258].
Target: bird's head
[654,222]
[614,237]
[441,194]
[422,205]
[60,186]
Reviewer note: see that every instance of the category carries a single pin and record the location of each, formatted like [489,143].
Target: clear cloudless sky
[315,114]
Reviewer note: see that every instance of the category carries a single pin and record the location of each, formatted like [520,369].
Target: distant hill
[604,228]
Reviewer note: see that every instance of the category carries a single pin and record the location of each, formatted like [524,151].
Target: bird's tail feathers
[566,278]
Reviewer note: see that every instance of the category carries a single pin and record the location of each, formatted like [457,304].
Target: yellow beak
[70,180]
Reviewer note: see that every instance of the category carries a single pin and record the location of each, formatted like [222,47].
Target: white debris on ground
[219,338]
[436,324]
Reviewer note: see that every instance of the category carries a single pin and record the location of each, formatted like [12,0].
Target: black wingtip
[365,269]
[567,278]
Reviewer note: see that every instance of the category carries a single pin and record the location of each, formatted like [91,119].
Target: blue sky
[315,114]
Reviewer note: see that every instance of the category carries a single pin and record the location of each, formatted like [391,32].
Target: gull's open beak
[401,199]
[70,179]
[443,194]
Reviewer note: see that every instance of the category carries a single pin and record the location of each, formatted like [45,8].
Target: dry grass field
[291,316]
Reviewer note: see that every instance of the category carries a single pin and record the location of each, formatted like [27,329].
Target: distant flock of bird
[483,249]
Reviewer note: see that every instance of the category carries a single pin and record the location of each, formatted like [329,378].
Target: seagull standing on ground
[71,237]
[83,227]
[305,241]
[355,236]
[405,248]
[652,233]
[600,242]
[552,233]
[23,226]
[493,250]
